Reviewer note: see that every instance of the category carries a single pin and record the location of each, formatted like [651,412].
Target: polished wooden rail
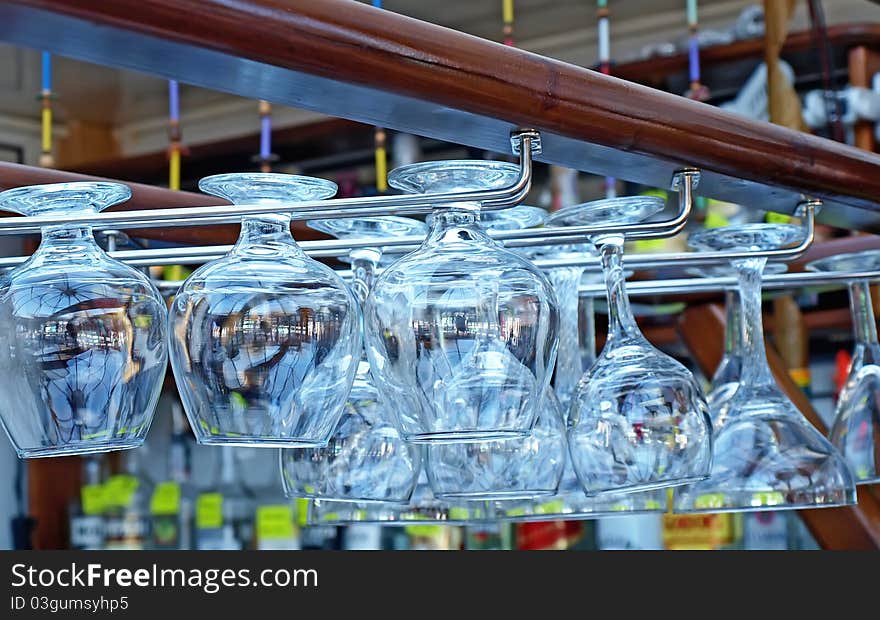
[350,60]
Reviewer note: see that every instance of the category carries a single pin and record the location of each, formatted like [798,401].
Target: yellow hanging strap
[381,160]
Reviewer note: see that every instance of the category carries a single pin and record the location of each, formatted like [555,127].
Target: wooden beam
[351,60]
[851,527]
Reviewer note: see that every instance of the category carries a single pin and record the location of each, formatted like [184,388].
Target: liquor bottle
[86,511]
[172,504]
[223,515]
[126,504]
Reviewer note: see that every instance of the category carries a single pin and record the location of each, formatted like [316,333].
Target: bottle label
[87,532]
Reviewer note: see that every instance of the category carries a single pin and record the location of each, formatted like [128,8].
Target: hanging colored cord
[266,156]
[507,20]
[46,159]
[379,147]
[603,30]
[697,90]
[173,135]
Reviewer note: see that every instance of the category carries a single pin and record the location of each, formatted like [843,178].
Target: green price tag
[424,531]
[209,511]
[119,490]
[777,218]
[275,521]
[166,499]
[92,498]
[652,504]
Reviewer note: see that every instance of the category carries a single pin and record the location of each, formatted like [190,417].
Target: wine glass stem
[756,372]
[265,229]
[621,322]
[864,326]
[568,360]
[363,272]
[587,331]
[732,322]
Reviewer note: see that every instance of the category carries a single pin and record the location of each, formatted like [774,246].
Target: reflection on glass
[264,341]
[767,455]
[638,420]
[856,428]
[461,333]
[82,336]
[366,460]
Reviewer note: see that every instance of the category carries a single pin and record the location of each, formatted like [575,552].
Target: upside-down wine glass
[366,460]
[767,455]
[82,336]
[265,341]
[856,427]
[461,333]
[638,420]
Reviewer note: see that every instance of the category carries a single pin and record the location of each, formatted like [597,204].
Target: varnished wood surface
[604,123]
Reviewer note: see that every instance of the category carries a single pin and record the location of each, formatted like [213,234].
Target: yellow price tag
[710,501]
[166,499]
[649,245]
[209,511]
[92,499]
[275,521]
[119,490]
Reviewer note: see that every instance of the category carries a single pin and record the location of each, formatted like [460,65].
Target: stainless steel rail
[528,142]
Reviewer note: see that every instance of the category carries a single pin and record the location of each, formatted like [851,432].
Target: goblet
[576,350]
[856,428]
[638,420]
[461,333]
[82,336]
[767,455]
[366,460]
[264,341]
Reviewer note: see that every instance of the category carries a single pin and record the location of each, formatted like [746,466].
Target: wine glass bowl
[461,333]
[82,336]
[264,341]
[512,469]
